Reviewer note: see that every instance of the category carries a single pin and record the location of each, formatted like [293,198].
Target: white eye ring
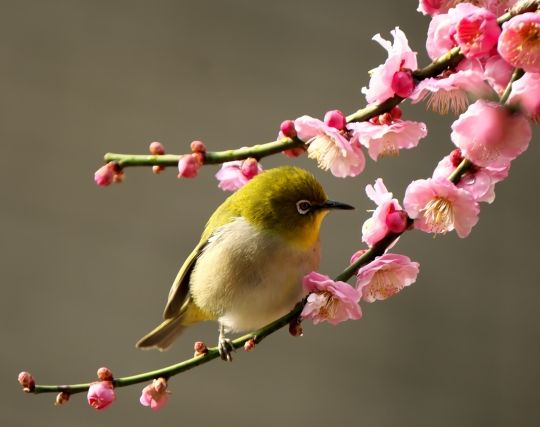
[303,206]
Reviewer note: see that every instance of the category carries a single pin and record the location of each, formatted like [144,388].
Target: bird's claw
[225,348]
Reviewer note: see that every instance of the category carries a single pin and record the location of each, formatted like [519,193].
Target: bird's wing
[179,293]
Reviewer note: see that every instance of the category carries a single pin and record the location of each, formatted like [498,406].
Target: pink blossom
[449,91]
[497,72]
[101,394]
[519,43]
[526,94]
[435,7]
[189,165]
[332,301]
[438,206]
[330,147]
[442,29]
[385,276]
[477,33]
[489,134]
[155,395]
[386,216]
[237,173]
[479,182]
[401,59]
[388,139]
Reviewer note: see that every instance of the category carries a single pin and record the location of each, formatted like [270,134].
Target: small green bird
[248,267]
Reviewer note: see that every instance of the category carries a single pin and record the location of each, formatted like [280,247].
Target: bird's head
[287,201]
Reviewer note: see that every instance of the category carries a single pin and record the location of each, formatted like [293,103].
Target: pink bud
[158,169]
[375,120]
[287,129]
[386,119]
[335,119]
[402,83]
[105,175]
[456,157]
[104,374]
[61,398]
[101,394]
[155,395]
[188,166]
[198,147]
[156,148]
[396,112]
[250,168]
[396,221]
[27,381]
[249,345]
[295,152]
[200,349]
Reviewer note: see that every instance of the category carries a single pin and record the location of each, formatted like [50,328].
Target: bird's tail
[163,336]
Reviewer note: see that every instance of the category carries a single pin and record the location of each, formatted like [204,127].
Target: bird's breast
[247,277]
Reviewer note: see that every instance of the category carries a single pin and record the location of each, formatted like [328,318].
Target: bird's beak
[330,204]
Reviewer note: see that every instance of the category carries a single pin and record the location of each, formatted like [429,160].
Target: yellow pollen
[324,150]
[443,101]
[389,149]
[329,309]
[383,285]
[439,215]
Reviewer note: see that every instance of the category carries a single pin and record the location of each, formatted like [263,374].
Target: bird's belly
[247,278]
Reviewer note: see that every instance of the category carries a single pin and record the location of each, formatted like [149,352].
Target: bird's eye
[303,207]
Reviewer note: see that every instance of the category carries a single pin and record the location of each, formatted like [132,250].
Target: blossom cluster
[489,135]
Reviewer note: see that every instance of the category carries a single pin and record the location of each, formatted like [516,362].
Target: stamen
[439,215]
[443,101]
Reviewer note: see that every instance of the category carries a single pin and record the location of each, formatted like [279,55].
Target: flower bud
[402,83]
[104,176]
[101,394]
[188,166]
[249,345]
[250,167]
[396,221]
[61,398]
[27,381]
[335,119]
[200,349]
[386,119]
[104,374]
[156,148]
[158,169]
[396,112]
[287,129]
[295,152]
[198,147]
[295,328]
[456,157]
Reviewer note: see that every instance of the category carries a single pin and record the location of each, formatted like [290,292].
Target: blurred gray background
[85,270]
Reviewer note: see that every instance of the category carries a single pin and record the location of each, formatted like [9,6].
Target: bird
[247,269]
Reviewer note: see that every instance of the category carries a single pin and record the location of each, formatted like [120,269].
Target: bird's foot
[225,348]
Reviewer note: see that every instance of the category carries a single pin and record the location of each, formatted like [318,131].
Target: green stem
[516,75]
[210,158]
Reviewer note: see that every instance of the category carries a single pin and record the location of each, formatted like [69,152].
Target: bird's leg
[225,345]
